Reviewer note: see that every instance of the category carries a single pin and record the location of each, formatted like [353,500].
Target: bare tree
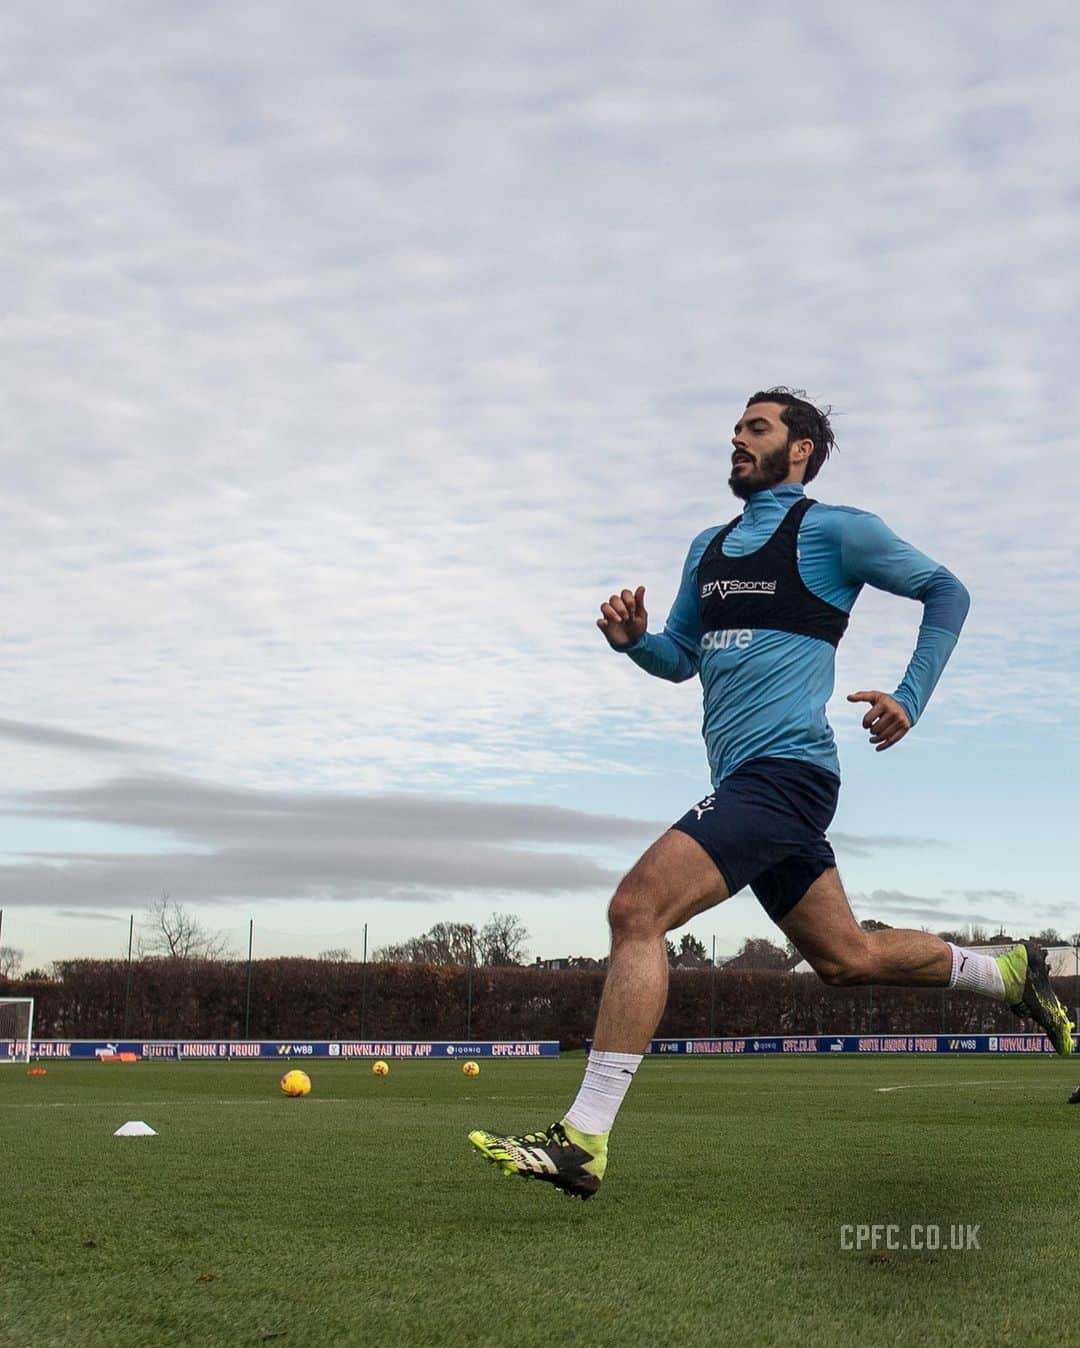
[399,952]
[10,961]
[336,955]
[972,934]
[502,940]
[758,953]
[174,933]
[445,943]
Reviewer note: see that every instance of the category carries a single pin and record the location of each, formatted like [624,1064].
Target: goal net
[16,1028]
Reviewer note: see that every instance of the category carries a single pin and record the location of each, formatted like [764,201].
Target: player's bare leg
[823,929]
[673,880]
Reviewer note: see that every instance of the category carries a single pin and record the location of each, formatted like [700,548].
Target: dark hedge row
[312,999]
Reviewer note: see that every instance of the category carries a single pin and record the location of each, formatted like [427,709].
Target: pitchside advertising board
[852,1043]
[867,1043]
[219,1049]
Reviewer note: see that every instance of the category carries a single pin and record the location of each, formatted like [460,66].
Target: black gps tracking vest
[764,589]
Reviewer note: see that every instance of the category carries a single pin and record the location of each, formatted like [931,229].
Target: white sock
[607,1079]
[973,971]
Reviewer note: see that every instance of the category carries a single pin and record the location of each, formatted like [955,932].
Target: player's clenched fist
[623,618]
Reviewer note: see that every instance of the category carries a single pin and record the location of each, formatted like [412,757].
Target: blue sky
[352,363]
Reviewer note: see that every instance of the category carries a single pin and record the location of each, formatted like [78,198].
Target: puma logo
[703,806]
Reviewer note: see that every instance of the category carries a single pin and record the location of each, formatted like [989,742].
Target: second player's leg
[674,880]
[824,930]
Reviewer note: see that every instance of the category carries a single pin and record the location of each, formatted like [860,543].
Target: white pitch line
[942,1085]
[165,1104]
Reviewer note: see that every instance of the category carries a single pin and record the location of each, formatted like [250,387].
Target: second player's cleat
[572,1161]
[1029,992]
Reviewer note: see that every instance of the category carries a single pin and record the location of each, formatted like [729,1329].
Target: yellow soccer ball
[380,1068]
[470,1068]
[296,1083]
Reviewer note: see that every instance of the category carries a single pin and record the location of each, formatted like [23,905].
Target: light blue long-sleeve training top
[766,697]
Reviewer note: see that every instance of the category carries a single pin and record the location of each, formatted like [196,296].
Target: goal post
[16,1028]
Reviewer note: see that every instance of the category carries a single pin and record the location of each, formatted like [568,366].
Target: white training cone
[136,1128]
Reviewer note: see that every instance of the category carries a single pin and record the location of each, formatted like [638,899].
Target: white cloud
[351,363]
[943,912]
[227,844]
[57,738]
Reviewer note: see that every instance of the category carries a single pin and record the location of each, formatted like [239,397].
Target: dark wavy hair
[804,422]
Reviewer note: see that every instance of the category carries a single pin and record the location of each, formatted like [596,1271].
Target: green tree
[692,952]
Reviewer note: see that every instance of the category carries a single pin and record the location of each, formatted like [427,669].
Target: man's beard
[770,469]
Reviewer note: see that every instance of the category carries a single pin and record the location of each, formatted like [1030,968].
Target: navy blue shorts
[764,826]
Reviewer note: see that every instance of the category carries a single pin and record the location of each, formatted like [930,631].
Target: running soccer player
[762,606]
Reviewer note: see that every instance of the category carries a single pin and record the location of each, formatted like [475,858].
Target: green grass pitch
[360,1215]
